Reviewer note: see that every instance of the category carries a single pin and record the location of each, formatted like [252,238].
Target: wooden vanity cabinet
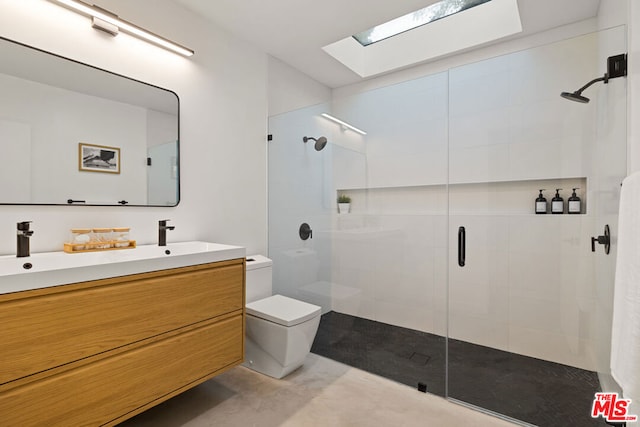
[97,353]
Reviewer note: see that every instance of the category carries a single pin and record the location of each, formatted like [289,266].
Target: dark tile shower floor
[539,392]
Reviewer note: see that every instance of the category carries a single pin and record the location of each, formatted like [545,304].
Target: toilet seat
[283,310]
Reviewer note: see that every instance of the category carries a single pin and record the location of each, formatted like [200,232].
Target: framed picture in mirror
[98,158]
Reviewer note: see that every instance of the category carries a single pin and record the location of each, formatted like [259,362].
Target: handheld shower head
[320,142]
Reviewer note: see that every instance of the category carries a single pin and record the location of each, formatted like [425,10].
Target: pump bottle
[557,203]
[575,204]
[541,203]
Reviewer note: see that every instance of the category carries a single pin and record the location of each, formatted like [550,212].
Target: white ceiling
[295,31]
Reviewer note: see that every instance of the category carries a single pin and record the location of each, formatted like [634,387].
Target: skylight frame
[485,24]
[416,19]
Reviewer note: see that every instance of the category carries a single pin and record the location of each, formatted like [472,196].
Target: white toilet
[279,330]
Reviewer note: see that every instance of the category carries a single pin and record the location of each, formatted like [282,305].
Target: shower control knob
[305,231]
[602,240]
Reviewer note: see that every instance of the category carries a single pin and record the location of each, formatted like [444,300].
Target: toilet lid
[283,310]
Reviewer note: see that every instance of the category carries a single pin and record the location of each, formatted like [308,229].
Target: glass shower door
[390,250]
[523,336]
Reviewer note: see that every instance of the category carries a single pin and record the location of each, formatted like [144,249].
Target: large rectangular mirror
[74,134]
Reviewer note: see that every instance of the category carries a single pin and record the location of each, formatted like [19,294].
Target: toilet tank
[259,278]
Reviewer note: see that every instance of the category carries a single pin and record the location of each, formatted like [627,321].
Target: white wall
[412,113]
[289,89]
[223,95]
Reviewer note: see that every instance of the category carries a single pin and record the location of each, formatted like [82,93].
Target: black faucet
[162,231]
[23,239]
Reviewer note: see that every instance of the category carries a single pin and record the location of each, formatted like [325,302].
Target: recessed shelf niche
[481,198]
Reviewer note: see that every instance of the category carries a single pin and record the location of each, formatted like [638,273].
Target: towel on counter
[625,335]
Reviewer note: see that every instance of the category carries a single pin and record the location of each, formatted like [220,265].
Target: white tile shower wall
[389,251]
[529,284]
[512,125]
[391,265]
[349,167]
[478,293]
[406,124]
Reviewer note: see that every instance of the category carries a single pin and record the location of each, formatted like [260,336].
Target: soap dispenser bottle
[541,203]
[575,205]
[557,203]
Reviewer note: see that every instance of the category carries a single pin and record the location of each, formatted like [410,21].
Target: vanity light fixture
[111,23]
[345,124]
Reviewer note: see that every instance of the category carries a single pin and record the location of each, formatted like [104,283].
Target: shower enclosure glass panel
[300,182]
[378,271]
[526,338]
[390,250]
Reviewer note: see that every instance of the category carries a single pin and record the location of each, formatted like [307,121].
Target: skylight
[412,20]
[489,22]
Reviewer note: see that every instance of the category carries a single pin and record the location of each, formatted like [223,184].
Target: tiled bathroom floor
[539,392]
[321,393]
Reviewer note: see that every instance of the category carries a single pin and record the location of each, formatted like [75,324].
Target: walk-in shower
[616,67]
[522,328]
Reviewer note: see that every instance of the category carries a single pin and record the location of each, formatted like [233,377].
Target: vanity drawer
[45,330]
[113,389]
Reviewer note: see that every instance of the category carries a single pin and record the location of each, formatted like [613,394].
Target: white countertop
[60,268]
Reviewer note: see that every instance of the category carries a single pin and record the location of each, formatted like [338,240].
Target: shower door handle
[462,246]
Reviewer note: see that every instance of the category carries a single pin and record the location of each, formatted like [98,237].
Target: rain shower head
[574,96]
[320,142]
[616,67]
[577,95]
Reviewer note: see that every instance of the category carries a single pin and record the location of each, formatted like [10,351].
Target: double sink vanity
[96,338]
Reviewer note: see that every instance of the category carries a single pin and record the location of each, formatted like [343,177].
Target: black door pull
[462,245]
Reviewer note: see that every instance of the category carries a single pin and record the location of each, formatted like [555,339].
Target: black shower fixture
[320,142]
[616,67]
